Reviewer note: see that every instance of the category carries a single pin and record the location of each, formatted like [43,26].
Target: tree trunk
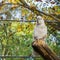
[42,49]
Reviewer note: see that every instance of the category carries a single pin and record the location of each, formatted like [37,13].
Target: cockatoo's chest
[40,31]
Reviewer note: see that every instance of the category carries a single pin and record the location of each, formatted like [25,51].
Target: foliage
[17,39]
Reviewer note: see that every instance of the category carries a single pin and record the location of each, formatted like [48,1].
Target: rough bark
[42,49]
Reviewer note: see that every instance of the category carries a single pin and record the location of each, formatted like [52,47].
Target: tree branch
[33,9]
[44,50]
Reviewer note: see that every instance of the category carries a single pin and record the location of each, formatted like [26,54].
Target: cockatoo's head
[40,20]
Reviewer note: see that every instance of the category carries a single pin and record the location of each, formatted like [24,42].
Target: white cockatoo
[40,32]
